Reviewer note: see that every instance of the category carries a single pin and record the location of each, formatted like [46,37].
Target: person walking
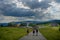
[27,30]
[35,30]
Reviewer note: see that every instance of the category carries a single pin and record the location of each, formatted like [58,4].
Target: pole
[27,24]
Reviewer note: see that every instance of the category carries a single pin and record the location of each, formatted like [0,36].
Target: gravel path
[31,37]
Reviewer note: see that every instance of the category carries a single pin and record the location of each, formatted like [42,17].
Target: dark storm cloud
[58,1]
[19,13]
[36,4]
[10,9]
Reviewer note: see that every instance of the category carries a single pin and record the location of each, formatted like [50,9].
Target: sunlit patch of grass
[51,33]
[8,33]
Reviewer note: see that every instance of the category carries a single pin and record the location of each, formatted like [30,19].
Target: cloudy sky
[29,10]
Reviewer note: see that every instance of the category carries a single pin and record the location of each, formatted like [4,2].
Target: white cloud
[6,19]
[54,10]
[19,4]
[39,0]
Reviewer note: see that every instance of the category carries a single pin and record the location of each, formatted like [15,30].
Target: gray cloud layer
[36,4]
[9,8]
[58,1]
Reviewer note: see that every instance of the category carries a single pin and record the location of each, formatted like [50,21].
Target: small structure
[54,24]
[18,25]
[27,24]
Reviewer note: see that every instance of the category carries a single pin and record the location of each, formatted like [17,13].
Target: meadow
[14,33]
[51,33]
[11,33]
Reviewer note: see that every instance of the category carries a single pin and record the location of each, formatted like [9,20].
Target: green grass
[51,33]
[8,33]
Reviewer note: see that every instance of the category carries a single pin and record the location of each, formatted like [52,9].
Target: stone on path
[31,37]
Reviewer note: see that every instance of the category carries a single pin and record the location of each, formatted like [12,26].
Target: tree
[9,24]
[31,24]
[59,29]
[23,24]
[12,24]
[1,25]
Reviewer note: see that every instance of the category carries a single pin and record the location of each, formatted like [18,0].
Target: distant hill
[34,22]
[4,24]
[56,21]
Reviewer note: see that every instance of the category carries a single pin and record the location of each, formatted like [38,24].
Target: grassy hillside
[51,33]
[7,33]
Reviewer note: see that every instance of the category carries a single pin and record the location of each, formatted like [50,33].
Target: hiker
[35,30]
[27,30]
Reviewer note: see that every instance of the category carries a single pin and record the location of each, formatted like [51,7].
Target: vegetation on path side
[51,33]
[11,33]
